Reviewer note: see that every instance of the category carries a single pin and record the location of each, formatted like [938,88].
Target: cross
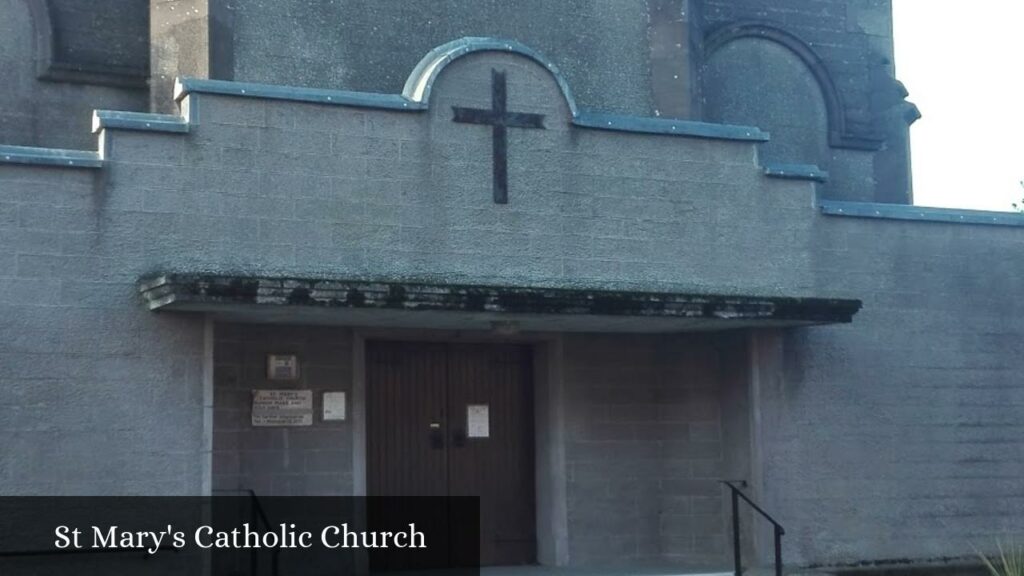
[501,120]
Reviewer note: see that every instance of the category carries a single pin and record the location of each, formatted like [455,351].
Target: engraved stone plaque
[282,407]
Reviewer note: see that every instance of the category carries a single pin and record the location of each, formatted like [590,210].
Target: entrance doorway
[457,420]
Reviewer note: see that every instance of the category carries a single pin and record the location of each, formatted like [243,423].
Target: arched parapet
[416,94]
[840,134]
[421,80]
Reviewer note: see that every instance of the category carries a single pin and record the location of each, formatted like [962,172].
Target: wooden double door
[457,420]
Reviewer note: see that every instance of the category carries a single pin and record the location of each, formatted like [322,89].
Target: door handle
[459,438]
[436,436]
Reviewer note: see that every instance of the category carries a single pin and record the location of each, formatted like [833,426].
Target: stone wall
[97,395]
[819,76]
[899,436]
[316,190]
[642,57]
[852,37]
[280,461]
[646,448]
[896,436]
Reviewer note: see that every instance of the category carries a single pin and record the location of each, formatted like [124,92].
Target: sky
[963,64]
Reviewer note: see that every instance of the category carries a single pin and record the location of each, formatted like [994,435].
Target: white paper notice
[334,405]
[478,421]
[282,407]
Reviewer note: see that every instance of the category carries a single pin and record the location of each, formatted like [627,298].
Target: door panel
[498,468]
[412,386]
[405,422]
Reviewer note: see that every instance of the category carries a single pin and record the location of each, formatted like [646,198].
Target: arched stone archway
[758,81]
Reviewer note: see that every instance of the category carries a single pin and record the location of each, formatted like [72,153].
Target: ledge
[185,86]
[79,73]
[647,125]
[796,172]
[104,119]
[50,157]
[919,213]
[414,304]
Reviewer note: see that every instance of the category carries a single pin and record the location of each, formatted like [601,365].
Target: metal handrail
[737,494]
[258,513]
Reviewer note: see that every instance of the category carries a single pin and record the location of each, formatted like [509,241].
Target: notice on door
[478,421]
[282,407]
[334,405]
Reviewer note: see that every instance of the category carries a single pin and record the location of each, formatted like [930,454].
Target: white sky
[963,64]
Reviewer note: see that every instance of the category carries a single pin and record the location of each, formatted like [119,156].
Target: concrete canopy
[418,305]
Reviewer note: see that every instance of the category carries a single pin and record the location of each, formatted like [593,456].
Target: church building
[613,266]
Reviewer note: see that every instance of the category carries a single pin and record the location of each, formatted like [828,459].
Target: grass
[1009,563]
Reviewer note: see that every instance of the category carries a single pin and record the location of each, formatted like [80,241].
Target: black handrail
[779,530]
[257,513]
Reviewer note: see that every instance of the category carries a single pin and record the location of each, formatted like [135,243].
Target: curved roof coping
[421,80]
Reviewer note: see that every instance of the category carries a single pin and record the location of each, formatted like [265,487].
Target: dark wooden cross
[501,120]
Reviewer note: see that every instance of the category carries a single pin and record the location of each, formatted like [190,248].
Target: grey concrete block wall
[900,434]
[866,426]
[642,57]
[368,193]
[639,57]
[311,460]
[97,396]
[645,449]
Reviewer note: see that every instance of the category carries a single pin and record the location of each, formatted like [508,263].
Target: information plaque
[282,407]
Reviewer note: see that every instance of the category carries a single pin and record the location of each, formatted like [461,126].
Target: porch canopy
[463,307]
